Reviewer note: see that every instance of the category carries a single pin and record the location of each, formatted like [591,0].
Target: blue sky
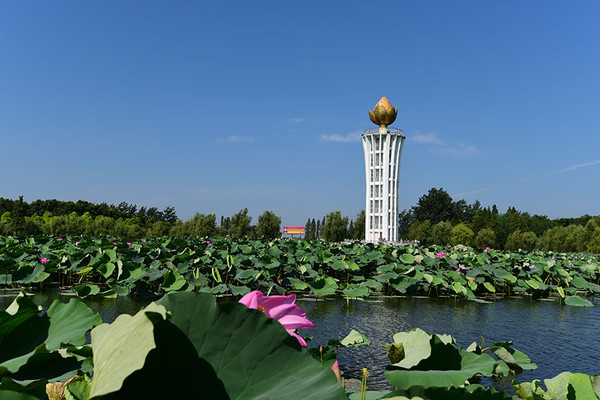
[212,107]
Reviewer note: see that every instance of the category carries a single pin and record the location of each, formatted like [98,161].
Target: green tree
[103,225]
[159,229]
[318,230]
[240,224]
[359,226]
[405,220]
[441,232]
[201,225]
[553,239]
[335,227]
[485,238]
[529,240]
[421,232]
[435,206]
[269,225]
[461,234]
[308,234]
[576,239]
[593,245]
[483,218]
[513,241]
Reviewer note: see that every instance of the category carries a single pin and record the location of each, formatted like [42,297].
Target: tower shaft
[383,151]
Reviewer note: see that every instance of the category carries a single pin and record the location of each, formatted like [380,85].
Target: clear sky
[214,106]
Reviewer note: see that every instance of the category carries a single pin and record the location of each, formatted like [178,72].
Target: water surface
[556,337]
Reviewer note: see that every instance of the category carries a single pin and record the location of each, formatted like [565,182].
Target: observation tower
[383,149]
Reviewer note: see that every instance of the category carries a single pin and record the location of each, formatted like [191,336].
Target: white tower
[383,150]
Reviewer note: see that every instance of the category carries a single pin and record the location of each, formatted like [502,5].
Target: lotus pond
[384,292]
[555,337]
[109,267]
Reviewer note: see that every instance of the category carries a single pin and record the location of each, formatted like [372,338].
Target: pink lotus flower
[77,243]
[281,308]
[128,243]
[208,242]
[336,370]
[115,243]
[44,260]
[60,239]
[487,249]
[531,266]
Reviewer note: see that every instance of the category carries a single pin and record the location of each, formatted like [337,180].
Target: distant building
[383,151]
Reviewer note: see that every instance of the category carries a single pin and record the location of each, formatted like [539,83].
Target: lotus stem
[363,387]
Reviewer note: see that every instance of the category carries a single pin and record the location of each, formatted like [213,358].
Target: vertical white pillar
[382,148]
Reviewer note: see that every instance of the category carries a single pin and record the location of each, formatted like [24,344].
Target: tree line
[55,217]
[438,219]
[335,228]
[435,219]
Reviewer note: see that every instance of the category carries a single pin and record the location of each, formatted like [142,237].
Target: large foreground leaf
[28,340]
[121,348]
[252,355]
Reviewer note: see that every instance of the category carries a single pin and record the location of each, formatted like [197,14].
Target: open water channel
[556,337]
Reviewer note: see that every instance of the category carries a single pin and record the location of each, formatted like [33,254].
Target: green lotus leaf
[558,387]
[407,259]
[10,395]
[69,322]
[470,392]
[79,389]
[338,265]
[84,291]
[120,348]
[434,361]
[489,287]
[577,301]
[532,284]
[513,357]
[239,290]
[173,280]
[582,386]
[356,291]
[37,388]
[252,355]
[355,339]
[529,390]
[417,347]
[580,283]
[323,286]
[21,330]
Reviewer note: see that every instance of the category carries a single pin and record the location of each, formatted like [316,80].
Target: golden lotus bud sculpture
[383,114]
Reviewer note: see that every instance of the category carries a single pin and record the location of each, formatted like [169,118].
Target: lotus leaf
[236,340]
[577,301]
[355,339]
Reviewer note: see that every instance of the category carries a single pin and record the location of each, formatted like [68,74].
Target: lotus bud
[383,114]
[55,391]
